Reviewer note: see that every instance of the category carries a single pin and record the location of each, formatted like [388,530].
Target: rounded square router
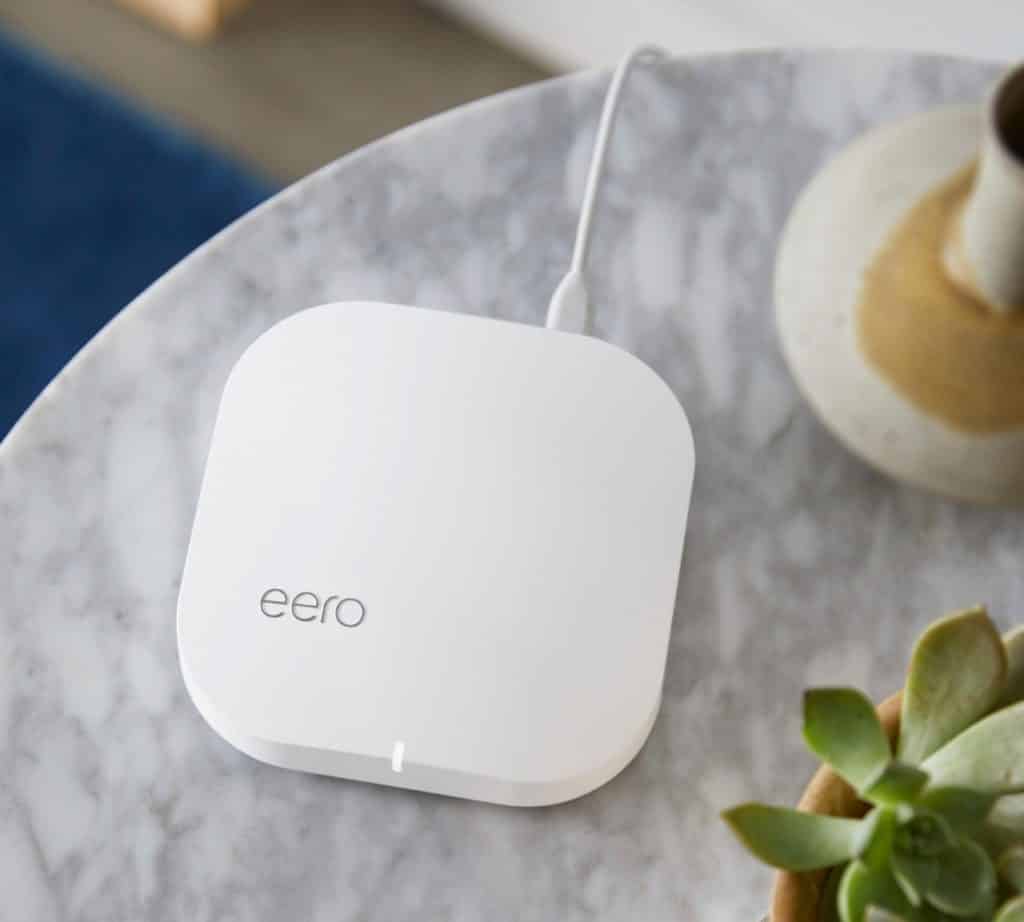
[437,551]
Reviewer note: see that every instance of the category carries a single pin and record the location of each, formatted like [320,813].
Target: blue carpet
[97,201]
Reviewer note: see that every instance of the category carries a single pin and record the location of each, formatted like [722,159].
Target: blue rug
[97,200]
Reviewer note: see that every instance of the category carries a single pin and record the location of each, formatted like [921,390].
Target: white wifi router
[438,552]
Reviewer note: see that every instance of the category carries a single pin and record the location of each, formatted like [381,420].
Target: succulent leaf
[963,808]
[957,675]
[988,757]
[876,914]
[842,729]
[966,884]
[898,783]
[1012,911]
[879,833]
[943,840]
[1010,867]
[793,840]
[1014,688]
[862,887]
[915,875]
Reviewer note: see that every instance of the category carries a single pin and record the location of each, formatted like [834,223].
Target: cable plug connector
[569,307]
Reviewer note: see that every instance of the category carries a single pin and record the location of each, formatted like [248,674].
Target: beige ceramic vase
[900,297]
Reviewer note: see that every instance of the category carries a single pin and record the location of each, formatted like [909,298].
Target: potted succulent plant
[917,814]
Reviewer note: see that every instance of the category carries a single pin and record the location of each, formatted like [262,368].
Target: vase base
[838,228]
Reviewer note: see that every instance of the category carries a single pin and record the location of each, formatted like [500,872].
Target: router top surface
[437,551]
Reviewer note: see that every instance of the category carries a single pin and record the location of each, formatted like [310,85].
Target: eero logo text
[306,606]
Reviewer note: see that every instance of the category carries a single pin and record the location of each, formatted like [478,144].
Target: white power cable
[569,305]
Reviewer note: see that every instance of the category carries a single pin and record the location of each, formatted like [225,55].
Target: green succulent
[943,837]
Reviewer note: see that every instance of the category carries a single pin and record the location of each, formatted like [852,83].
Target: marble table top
[117,802]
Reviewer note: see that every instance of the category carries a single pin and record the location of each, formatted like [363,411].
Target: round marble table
[802,565]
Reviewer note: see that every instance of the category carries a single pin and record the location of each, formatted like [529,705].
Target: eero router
[439,551]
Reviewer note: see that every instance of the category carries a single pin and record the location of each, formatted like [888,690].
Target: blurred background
[133,130]
[282,86]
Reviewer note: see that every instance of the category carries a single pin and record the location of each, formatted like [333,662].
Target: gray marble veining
[802,566]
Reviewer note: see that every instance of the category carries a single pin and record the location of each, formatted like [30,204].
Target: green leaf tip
[843,730]
[897,784]
[988,757]
[957,675]
[1014,688]
[792,840]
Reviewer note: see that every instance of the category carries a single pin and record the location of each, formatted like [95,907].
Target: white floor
[584,33]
